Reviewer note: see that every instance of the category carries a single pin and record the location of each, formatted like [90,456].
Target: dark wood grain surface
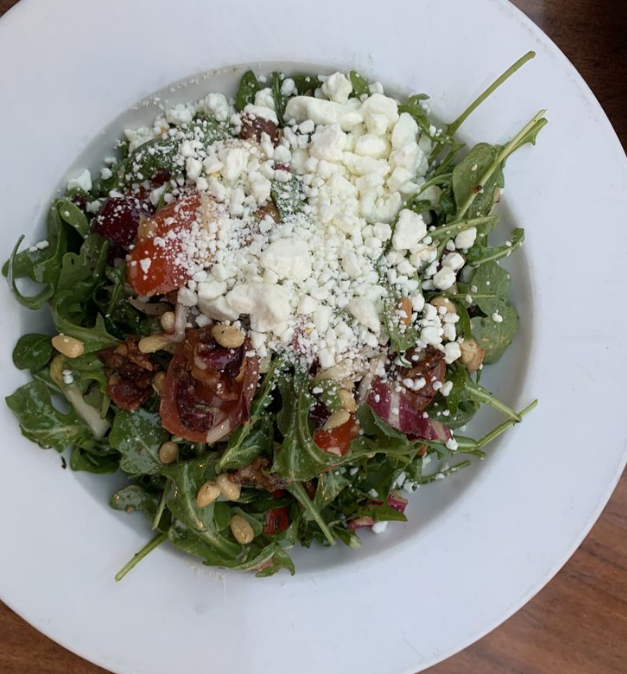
[578,623]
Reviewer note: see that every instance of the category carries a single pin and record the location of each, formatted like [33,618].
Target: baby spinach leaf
[70,213]
[138,437]
[360,85]
[32,352]
[480,255]
[42,423]
[495,337]
[298,458]
[248,87]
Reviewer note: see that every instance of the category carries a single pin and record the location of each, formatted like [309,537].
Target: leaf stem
[300,494]
[137,558]
[453,126]
[482,395]
[460,226]
[534,125]
[161,506]
[494,433]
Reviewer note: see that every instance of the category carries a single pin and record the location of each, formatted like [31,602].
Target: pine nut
[158,381]
[230,490]
[405,306]
[68,346]
[168,452]
[242,531]
[207,494]
[228,336]
[153,343]
[347,399]
[168,322]
[336,419]
[444,302]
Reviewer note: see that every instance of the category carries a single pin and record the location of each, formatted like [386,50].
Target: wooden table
[578,623]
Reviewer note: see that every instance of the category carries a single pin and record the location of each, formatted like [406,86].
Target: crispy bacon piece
[130,374]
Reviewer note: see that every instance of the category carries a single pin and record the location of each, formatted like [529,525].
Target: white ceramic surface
[478,545]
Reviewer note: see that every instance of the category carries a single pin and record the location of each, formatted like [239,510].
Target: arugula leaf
[70,213]
[306,83]
[138,437]
[32,352]
[360,85]
[330,485]
[248,87]
[280,101]
[299,492]
[252,438]
[492,285]
[89,461]
[280,560]
[413,107]
[42,423]
[94,338]
[467,176]
[41,265]
[375,427]
[402,337]
[286,197]
[161,154]
[480,255]
[132,498]
[381,513]
[299,458]
[495,337]
[328,391]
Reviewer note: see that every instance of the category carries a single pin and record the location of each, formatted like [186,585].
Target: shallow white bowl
[478,545]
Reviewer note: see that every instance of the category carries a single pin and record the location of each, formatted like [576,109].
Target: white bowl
[479,544]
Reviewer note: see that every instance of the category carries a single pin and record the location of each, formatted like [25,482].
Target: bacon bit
[130,374]
[255,475]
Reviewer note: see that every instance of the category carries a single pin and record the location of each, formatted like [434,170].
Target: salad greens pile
[318,495]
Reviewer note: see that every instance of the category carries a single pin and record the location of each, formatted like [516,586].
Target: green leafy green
[360,85]
[138,437]
[280,101]
[495,336]
[71,214]
[43,423]
[299,458]
[32,352]
[480,255]
[248,87]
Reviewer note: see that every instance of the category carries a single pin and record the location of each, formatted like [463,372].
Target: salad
[272,314]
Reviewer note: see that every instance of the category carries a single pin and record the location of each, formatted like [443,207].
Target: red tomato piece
[337,440]
[160,262]
[277,519]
